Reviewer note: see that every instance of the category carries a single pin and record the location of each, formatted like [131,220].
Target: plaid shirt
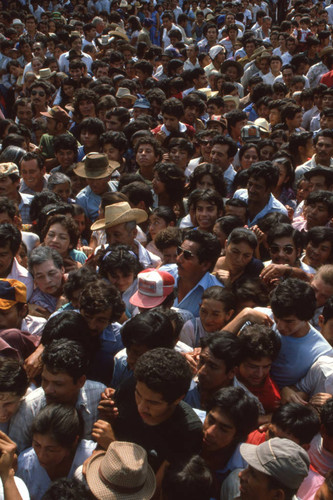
[87,402]
[24,207]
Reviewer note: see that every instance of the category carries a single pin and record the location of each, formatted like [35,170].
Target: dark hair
[264,170]
[235,403]
[210,196]
[65,141]
[284,231]
[78,279]
[190,480]
[328,310]
[13,377]
[173,177]
[68,325]
[66,356]
[165,213]
[226,297]
[326,416]
[293,297]
[33,156]
[318,235]
[68,224]
[173,107]
[258,341]
[92,125]
[245,148]
[138,191]
[301,421]
[226,141]
[10,236]
[228,223]
[62,422]
[169,237]
[116,139]
[68,489]
[151,328]
[209,247]
[164,371]
[208,169]
[243,235]
[119,258]
[251,290]
[101,296]
[325,197]
[224,346]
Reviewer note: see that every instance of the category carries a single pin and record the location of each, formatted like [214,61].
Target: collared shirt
[191,302]
[315,73]
[20,273]
[229,176]
[87,402]
[24,207]
[309,165]
[27,190]
[273,205]
[189,66]
[146,259]
[64,61]
[49,302]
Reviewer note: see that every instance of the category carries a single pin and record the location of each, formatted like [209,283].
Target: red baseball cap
[153,287]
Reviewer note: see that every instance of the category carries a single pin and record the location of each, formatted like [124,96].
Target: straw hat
[209,92]
[121,473]
[119,32]
[119,213]
[123,93]
[45,74]
[104,39]
[95,166]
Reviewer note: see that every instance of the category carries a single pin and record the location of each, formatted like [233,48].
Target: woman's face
[283,177]
[9,404]
[36,65]
[112,153]
[156,224]
[121,280]
[250,156]
[205,182]
[49,452]
[57,237]
[68,90]
[158,185]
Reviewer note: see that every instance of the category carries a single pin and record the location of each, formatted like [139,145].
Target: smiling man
[33,174]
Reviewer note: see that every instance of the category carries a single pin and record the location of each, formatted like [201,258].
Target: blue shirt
[191,302]
[90,201]
[273,205]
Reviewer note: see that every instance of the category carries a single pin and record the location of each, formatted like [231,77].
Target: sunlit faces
[316,214]
[323,291]
[180,157]
[206,214]
[171,122]
[9,404]
[63,190]
[255,485]
[250,156]
[238,256]
[65,157]
[212,373]
[156,224]
[219,431]
[122,281]
[318,254]
[58,238]
[120,235]
[146,156]
[151,406]
[48,278]
[60,387]
[253,372]
[213,315]
[291,326]
[190,267]
[49,452]
[99,186]
[89,139]
[169,255]
[283,251]
[220,156]
[324,150]
[97,322]
[112,153]
[257,190]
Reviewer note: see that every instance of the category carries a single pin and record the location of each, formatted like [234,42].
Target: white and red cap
[153,287]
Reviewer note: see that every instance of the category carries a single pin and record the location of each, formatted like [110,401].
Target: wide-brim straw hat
[95,166]
[119,32]
[45,74]
[124,93]
[119,213]
[121,473]
[235,64]
[208,92]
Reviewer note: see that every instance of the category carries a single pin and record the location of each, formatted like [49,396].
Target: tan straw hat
[119,213]
[121,473]
[95,166]
[119,32]
[122,93]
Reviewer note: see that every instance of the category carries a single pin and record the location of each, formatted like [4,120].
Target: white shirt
[22,274]
[319,378]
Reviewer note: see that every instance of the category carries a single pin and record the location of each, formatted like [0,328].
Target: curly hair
[119,258]
[100,296]
[173,178]
[215,174]
[68,224]
[66,356]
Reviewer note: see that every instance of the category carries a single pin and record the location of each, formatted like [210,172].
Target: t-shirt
[319,378]
[268,395]
[179,437]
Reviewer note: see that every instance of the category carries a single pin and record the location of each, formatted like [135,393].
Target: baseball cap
[8,169]
[142,103]
[215,50]
[153,287]
[12,292]
[58,114]
[280,458]
[250,133]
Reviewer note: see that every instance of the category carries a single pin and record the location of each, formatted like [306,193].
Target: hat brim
[134,214]
[235,64]
[101,491]
[249,453]
[131,97]
[121,35]
[80,170]
[49,76]
[146,301]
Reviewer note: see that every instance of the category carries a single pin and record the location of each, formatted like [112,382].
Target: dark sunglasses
[204,142]
[186,253]
[41,93]
[288,249]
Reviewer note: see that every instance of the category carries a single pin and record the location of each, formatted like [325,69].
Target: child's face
[169,255]
[303,191]
[81,222]
[156,224]
[213,315]
[171,123]
[63,190]
[121,280]
[112,153]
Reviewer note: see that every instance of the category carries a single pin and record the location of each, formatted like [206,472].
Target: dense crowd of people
[166,250]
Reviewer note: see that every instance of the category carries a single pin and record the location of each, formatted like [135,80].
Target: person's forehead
[285,240]
[206,204]
[259,180]
[221,417]
[47,265]
[190,245]
[117,228]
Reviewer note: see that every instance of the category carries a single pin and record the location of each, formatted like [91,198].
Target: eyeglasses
[204,142]
[288,249]
[186,253]
[41,93]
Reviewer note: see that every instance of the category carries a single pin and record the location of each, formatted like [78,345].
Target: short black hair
[66,356]
[264,170]
[285,231]
[68,489]
[68,325]
[10,236]
[326,416]
[298,420]
[13,377]
[224,346]
[151,328]
[293,297]
[190,480]
[243,235]
[100,296]
[209,246]
[324,197]
[258,341]
[164,371]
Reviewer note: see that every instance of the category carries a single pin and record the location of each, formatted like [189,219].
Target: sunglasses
[41,93]
[186,253]
[288,249]
[203,142]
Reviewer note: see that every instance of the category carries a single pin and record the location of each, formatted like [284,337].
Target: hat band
[117,488]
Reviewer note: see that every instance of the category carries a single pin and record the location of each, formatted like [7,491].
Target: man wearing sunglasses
[196,259]
[40,94]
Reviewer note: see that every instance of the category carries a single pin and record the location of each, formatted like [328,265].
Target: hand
[273,271]
[160,136]
[33,365]
[290,212]
[103,433]
[259,317]
[107,406]
[259,234]
[320,398]
[70,264]
[36,310]
[288,395]
[7,457]
[193,359]
[222,275]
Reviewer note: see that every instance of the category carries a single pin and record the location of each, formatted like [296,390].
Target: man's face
[9,404]
[318,254]
[257,190]
[188,262]
[97,322]
[317,183]
[86,108]
[201,82]
[38,50]
[12,317]
[287,75]
[206,214]
[179,156]
[254,485]
[290,326]
[323,493]
[99,186]
[211,34]
[60,388]
[219,431]
[38,96]
[65,158]
[316,214]
[326,122]
[238,127]
[151,406]
[89,139]
[48,278]
[113,124]
[171,122]
[24,114]
[75,73]
[220,156]
[119,235]
[296,121]
[291,46]
[170,255]
[8,187]
[328,101]
[283,251]
[264,66]
[6,260]
[212,372]
[167,23]
[77,45]
[253,372]
[237,211]
[30,25]
[323,291]
[324,149]
[250,48]
[31,173]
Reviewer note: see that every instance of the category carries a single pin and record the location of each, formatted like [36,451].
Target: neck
[7,271]
[326,163]
[256,207]
[147,172]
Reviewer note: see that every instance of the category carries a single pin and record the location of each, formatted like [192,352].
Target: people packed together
[166,250]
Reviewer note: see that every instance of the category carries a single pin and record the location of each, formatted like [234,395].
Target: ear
[321,321]
[81,381]
[171,224]
[230,314]
[277,495]
[231,373]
